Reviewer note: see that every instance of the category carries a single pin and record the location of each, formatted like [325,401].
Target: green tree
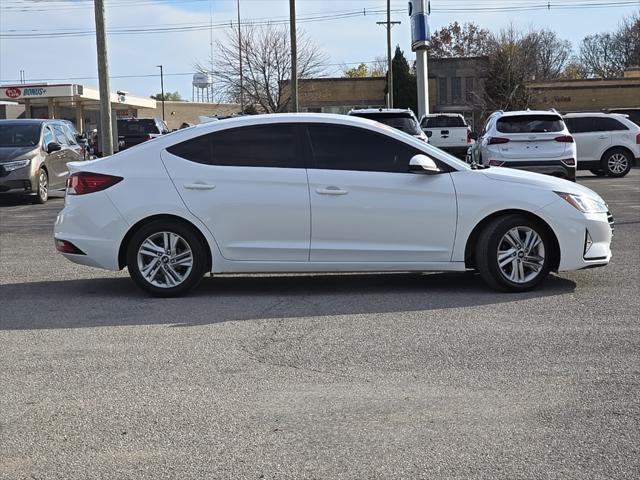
[455,40]
[168,96]
[356,72]
[405,89]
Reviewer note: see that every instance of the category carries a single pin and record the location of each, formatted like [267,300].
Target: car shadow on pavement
[117,302]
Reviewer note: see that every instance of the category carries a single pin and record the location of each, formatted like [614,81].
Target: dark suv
[34,156]
[132,131]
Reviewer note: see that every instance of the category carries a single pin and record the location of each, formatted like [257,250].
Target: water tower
[202,88]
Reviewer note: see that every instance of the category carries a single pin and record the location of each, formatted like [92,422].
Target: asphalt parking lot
[317,376]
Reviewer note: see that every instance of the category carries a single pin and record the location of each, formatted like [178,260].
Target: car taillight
[569,162]
[564,139]
[638,139]
[469,136]
[496,163]
[82,183]
[68,247]
[497,140]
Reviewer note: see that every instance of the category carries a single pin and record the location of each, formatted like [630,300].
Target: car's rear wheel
[42,187]
[514,253]
[616,162]
[598,172]
[166,259]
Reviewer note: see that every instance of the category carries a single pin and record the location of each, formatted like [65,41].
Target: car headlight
[584,204]
[15,165]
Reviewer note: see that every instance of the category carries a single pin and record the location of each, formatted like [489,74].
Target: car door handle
[602,137]
[331,191]
[199,186]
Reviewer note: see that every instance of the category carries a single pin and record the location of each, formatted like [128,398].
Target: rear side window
[580,124]
[443,122]
[137,127]
[608,124]
[337,147]
[530,124]
[255,146]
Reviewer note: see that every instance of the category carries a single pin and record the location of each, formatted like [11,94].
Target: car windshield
[136,126]
[530,124]
[15,135]
[405,123]
[443,121]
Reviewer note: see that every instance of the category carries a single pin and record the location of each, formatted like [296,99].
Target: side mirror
[473,136]
[422,164]
[53,147]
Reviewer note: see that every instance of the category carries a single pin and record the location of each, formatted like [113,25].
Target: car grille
[611,221]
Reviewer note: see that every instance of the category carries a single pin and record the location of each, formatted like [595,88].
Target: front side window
[338,147]
[580,124]
[530,124]
[48,136]
[60,135]
[253,146]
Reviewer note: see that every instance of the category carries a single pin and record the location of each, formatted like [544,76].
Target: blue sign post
[419,11]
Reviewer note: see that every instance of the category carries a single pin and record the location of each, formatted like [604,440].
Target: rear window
[137,127]
[443,122]
[403,122]
[530,124]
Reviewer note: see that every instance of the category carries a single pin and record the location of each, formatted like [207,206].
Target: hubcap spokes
[42,185]
[618,163]
[521,254]
[165,259]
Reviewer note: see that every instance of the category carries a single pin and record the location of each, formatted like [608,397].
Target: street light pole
[106,132]
[240,61]
[161,89]
[294,56]
[389,24]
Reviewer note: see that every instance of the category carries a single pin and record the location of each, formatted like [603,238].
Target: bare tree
[266,65]
[547,54]
[601,57]
[628,40]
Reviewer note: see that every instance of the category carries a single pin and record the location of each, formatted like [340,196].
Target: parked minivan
[607,143]
[34,155]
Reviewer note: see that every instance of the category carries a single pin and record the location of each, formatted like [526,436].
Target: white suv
[537,141]
[608,143]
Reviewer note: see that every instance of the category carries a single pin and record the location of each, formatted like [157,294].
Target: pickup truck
[448,132]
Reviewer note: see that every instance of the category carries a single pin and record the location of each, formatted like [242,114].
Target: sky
[133,58]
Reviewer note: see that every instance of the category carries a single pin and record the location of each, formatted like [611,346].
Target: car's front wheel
[42,187]
[166,259]
[514,253]
[616,162]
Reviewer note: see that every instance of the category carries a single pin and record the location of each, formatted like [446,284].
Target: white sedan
[320,193]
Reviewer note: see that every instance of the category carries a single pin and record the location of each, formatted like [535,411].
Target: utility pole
[240,61]
[106,132]
[294,56]
[389,24]
[161,89]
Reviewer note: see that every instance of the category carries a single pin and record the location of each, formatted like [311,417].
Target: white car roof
[529,112]
[593,114]
[380,110]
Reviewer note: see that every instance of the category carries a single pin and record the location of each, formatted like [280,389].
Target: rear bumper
[555,168]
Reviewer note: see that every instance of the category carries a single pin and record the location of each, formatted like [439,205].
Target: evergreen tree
[405,89]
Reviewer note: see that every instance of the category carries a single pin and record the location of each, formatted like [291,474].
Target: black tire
[189,238]
[42,187]
[616,162]
[492,238]
[598,172]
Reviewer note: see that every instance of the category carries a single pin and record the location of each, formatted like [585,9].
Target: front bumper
[17,181]
[573,231]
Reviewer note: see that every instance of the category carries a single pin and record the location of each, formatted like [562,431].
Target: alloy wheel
[521,254]
[165,259]
[43,185]
[618,163]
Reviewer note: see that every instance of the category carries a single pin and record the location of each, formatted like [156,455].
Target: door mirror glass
[53,147]
[422,164]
